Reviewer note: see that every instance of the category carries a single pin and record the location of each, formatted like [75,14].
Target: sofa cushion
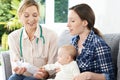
[118,64]
[6,65]
[113,41]
[65,38]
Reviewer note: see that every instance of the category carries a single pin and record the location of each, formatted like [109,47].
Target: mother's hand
[83,76]
[89,76]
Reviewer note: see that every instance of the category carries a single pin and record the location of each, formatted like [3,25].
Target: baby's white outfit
[67,71]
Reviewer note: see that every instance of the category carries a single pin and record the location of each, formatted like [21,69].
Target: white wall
[111,22]
[107,14]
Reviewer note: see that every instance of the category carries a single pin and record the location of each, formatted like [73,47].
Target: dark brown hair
[85,12]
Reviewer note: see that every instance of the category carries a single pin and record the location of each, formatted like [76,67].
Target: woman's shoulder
[99,41]
[15,33]
[94,38]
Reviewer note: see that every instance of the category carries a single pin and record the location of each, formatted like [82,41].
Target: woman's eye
[26,15]
[72,21]
[35,15]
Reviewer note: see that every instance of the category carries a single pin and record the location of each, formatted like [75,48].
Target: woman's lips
[31,24]
[70,30]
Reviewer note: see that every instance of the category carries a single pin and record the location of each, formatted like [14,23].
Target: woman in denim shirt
[94,55]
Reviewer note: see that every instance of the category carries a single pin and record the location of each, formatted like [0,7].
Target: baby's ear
[69,57]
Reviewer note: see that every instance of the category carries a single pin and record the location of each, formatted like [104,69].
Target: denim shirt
[95,56]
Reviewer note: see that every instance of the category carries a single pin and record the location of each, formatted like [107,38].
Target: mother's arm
[90,76]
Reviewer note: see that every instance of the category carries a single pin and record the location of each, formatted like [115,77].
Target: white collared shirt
[33,53]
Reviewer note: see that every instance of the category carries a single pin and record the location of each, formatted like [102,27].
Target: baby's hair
[71,50]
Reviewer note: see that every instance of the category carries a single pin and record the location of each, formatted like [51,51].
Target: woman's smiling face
[30,17]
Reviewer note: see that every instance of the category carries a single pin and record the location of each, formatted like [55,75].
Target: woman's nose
[68,24]
[31,19]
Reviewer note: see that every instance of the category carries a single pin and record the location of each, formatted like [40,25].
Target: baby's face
[63,57]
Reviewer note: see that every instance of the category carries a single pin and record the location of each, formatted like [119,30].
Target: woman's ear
[85,23]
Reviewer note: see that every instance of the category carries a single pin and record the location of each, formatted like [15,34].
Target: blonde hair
[25,4]
[70,49]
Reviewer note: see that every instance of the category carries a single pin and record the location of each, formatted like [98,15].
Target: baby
[68,67]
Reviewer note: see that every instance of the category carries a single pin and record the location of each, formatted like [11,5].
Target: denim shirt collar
[87,41]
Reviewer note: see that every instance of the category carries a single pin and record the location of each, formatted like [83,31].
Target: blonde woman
[33,45]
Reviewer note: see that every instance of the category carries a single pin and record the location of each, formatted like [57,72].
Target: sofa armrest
[6,65]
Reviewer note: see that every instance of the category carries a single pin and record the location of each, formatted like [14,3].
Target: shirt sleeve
[14,48]
[53,48]
[49,67]
[75,69]
[103,53]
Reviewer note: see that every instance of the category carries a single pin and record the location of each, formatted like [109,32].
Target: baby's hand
[57,70]
[41,74]
[42,69]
